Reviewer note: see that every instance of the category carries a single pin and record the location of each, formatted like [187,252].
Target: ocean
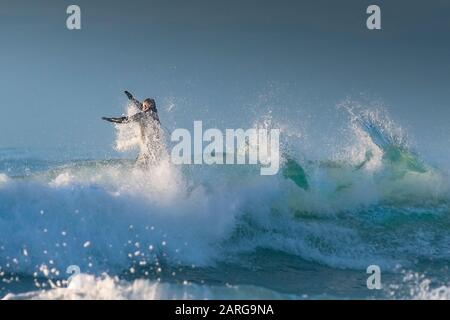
[225,231]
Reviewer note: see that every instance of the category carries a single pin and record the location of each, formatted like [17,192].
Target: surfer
[150,129]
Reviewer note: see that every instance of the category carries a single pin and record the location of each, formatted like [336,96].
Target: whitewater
[225,231]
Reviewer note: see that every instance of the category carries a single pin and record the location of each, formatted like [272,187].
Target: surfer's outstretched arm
[116,120]
[135,102]
[134,118]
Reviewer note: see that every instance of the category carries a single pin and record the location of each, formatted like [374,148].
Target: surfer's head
[148,104]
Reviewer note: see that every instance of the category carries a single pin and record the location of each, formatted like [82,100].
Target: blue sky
[217,61]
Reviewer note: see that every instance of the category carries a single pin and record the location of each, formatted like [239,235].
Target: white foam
[417,286]
[62,179]
[128,135]
[4,179]
[87,287]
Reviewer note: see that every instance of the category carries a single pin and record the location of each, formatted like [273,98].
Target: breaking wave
[375,202]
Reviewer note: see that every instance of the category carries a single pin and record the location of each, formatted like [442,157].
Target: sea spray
[152,223]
